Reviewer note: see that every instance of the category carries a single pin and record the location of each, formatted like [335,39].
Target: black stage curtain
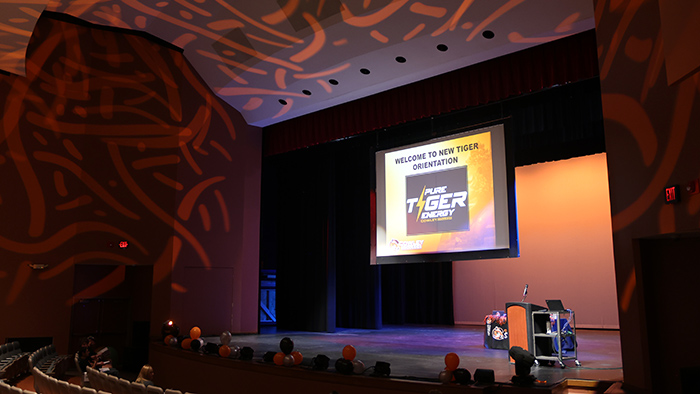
[316,234]
[357,282]
[297,223]
[417,293]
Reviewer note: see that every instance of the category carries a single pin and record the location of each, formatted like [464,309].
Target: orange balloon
[224,351]
[167,339]
[452,361]
[349,352]
[279,358]
[297,357]
[195,332]
[186,343]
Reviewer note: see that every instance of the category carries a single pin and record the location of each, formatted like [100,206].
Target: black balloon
[197,344]
[286,345]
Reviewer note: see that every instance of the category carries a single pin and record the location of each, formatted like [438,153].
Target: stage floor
[418,352]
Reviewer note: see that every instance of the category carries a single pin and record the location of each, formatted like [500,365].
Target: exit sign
[672,194]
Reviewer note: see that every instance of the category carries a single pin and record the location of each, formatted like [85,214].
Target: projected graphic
[441,204]
[447,195]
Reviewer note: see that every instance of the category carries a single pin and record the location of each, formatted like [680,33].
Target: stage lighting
[169,328]
[211,348]
[344,366]
[382,369]
[524,361]
[320,362]
[462,376]
[268,357]
[247,353]
[484,376]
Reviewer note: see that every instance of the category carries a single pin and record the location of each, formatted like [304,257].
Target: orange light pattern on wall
[17,20]
[105,139]
[651,141]
[241,49]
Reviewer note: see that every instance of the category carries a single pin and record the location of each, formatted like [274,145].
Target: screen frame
[511,251]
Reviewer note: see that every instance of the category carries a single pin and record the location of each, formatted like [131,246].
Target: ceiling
[274,60]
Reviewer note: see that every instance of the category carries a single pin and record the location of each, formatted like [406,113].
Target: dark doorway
[113,304]
[670,272]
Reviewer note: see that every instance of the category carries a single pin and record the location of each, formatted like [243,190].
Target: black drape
[298,240]
[417,293]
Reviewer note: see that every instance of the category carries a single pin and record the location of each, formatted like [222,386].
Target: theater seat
[63,387]
[154,390]
[96,379]
[4,387]
[111,383]
[124,386]
[76,358]
[138,388]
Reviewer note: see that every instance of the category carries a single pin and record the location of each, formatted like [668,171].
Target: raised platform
[416,355]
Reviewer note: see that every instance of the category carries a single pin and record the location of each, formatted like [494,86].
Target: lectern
[520,324]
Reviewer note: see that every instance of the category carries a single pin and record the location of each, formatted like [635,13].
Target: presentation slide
[447,195]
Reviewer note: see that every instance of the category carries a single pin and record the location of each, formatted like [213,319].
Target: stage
[415,354]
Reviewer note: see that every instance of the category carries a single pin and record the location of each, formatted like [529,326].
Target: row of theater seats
[7,389]
[45,384]
[13,361]
[49,362]
[111,384]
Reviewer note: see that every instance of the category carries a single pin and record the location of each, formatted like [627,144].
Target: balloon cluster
[170,340]
[452,372]
[191,342]
[347,364]
[195,342]
[225,350]
[287,356]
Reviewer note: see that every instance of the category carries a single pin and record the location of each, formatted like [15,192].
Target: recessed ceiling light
[400,59]
[306,92]
[442,48]
[283,102]
[364,71]
[332,81]
[488,34]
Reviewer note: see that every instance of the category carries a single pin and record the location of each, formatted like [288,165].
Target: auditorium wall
[114,152]
[565,248]
[650,86]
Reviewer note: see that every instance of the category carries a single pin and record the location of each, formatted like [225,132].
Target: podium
[520,327]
